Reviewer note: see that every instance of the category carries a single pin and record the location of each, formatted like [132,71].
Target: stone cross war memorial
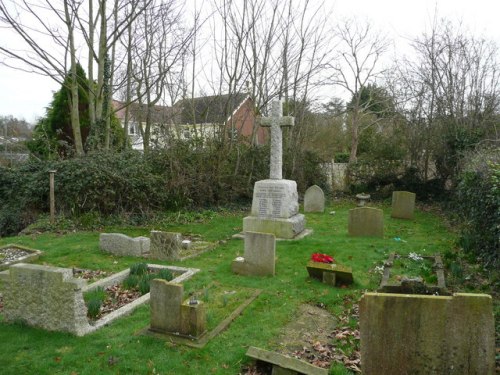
[275,206]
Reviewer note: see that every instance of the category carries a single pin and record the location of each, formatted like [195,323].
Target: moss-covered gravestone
[165,245]
[366,221]
[403,204]
[422,334]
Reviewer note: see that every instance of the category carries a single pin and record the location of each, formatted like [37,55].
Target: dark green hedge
[135,184]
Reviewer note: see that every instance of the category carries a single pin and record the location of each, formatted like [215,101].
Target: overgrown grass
[118,349]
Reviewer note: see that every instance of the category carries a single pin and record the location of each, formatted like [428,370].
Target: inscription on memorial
[270,200]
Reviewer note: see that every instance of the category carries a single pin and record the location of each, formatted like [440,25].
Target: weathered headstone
[51,298]
[259,256]
[420,334]
[165,245]
[403,204]
[366,221]
[169,314]
[122,245]
[275,207]
[314,199]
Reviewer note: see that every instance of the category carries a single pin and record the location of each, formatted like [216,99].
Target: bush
[131,184]
[478,200]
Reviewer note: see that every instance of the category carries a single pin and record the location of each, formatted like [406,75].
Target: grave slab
[419,334]
[259,256]
[30,255]
[283,364]
[403,204]
[122,245]
[336,274]
[314,199]
[165,245]
[366,222]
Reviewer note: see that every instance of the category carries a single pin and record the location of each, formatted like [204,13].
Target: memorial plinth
[275,204]
[275,209]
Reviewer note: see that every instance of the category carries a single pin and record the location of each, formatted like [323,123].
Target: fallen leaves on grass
[344,347]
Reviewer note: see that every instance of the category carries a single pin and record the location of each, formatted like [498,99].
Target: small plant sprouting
[131,281]
[138,269]
[93,307]
[144,285]
[164,274]
[205,295]
[98,293]
[93,301]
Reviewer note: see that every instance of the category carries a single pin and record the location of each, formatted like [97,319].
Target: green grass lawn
[116,349]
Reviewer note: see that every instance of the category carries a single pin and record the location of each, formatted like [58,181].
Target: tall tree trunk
[75,116]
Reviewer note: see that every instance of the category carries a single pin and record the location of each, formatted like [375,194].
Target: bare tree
[358,60]
[161,42]
[452,96]
[29,21]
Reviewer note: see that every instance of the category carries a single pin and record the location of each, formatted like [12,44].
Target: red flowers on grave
[322,258]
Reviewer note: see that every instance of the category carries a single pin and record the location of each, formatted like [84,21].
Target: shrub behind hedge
[478,201]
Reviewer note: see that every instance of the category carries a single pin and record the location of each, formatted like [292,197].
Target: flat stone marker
[403,204]
[330,273]
[366,222]
[122,245]
[283,364]
[260,255]
[417,334]
[165,245]
[314,199]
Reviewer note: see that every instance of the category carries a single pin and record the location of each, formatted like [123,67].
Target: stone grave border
[88,326]
[201,341]
[117,278]
[438,267]
[34,255]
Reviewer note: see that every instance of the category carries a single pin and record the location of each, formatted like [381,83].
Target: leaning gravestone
[275,206]
[314,199]
[165,245]
[420,334]
[366,221]
[403,204]
[122,245]
[259,257]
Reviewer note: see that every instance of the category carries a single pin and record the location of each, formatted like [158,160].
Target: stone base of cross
[275,122]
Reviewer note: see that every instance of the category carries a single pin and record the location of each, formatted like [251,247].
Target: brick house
[227,116]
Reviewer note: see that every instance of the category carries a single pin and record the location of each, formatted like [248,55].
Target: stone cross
[275,122]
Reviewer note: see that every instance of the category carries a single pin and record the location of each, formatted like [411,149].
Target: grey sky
[25,95]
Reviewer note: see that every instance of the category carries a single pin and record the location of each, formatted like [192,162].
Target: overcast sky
[25,95]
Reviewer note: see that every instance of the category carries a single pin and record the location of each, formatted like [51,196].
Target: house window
[187,134]
[132,129]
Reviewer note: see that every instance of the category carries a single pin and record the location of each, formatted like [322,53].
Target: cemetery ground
[293,314]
